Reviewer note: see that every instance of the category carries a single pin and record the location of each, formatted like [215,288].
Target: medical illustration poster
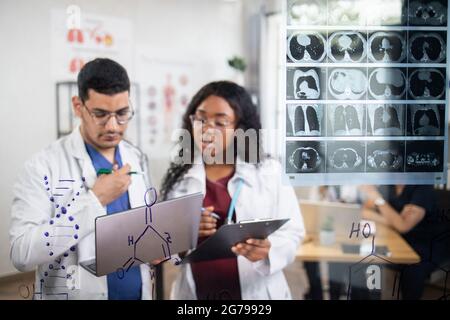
[74,42]
[365,93]
[167,85]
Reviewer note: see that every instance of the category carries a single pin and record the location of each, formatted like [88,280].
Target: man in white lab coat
[59,194]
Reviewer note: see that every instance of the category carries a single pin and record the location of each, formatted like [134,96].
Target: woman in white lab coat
[230,175]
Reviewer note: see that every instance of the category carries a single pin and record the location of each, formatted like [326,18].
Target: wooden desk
[401,251]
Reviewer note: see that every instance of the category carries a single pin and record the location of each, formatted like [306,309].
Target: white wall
[208,29]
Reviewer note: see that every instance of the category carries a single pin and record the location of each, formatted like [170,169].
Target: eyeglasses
[219,123]
[101,117]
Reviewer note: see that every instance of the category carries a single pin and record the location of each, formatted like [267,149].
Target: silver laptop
[130,238]
[341,216]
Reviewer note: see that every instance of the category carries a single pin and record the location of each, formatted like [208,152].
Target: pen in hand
[208,222]
[109,171]
[212,214]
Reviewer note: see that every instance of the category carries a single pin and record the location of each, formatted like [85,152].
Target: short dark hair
[103,76]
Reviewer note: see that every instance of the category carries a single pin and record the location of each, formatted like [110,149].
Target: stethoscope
[144,164]
[234,199]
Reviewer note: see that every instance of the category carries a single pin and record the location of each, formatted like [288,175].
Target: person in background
[212,118]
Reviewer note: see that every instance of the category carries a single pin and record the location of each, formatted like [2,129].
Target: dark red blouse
[217,279]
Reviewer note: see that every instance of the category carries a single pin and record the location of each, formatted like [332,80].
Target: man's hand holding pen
[109,187]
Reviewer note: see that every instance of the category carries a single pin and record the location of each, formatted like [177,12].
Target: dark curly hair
[247,118]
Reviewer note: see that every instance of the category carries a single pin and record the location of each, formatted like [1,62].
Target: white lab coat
[59,276]
[262,196]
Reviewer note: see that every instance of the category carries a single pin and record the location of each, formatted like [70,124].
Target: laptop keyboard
[92,266]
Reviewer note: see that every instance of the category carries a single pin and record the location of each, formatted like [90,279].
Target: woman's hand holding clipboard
[235,235]
[253,249]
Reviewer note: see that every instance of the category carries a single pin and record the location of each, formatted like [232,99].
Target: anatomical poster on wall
[365,97]
[167,85]
[92,36]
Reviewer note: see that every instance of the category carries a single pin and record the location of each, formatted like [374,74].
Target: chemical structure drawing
[370,265]
[367,263]
[149,235]
[58,276]
[436,262]
[41,294]
[439,249]
[28,291]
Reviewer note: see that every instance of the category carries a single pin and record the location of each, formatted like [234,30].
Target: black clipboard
[218,246]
